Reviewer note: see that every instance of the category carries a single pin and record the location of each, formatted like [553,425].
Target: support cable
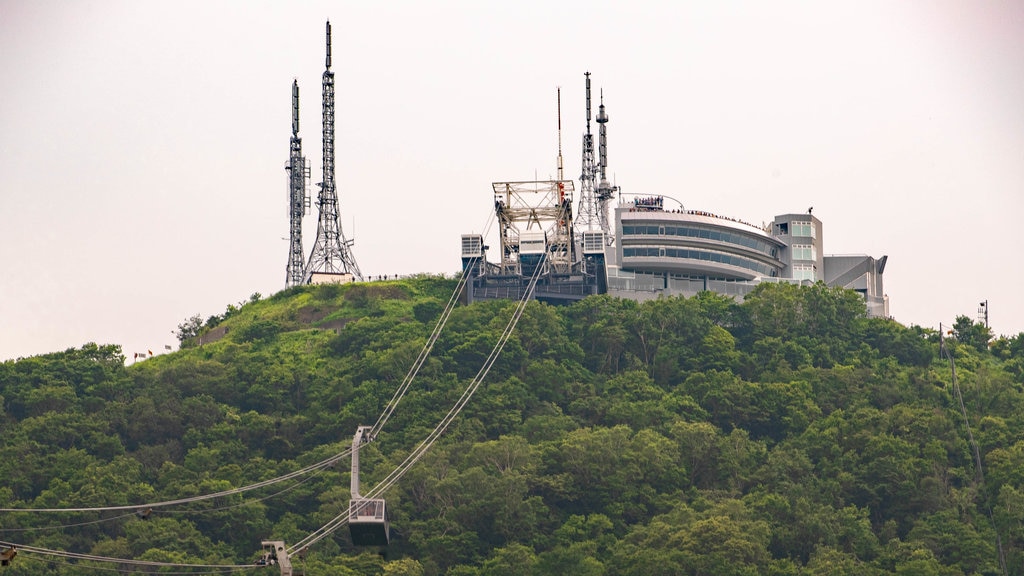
[976,451]
[217,569]
[425,351]
[311,468]
[410,460]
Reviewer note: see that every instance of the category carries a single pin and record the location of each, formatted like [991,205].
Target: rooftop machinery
[331,259]
[298,199]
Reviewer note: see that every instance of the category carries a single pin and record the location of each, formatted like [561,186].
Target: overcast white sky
[142,144]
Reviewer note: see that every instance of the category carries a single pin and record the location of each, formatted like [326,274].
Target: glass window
[805,229]
[803,272]
[803,252]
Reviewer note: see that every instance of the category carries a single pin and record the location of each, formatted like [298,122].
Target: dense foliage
[785,435]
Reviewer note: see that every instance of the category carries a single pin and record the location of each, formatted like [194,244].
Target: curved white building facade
[662,251]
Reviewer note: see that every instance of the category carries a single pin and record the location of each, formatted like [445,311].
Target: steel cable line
[431,340]
[382,419]
[62,526]
[249,502]
[424,353]
[311,468]
[218,568]
[943,351]
[135,570]
[426,444]
[389,410]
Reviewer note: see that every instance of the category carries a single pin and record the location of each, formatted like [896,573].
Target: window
[805,229]
[803,272]
[803,252]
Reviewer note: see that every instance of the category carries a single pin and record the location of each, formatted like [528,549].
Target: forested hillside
[787,435]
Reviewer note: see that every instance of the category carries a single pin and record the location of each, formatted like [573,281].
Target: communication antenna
[587,214]
[561,176]
[605,190]
[298,199]
[983,312]
[331,255]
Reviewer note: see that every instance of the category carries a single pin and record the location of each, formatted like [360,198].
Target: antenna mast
[298,200]
[587,218]
[605,191]
[561,176]
[331,253]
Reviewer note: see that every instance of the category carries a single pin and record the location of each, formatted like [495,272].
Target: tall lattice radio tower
[595,196]
[586,216]
[298,199]
[331,259]
[605,192]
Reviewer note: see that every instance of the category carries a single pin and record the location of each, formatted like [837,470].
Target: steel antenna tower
[298,200]
[331,253]
[587,218]
[605,191]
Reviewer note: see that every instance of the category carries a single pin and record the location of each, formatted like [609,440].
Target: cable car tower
[367,517]
[298,199]
[331,259]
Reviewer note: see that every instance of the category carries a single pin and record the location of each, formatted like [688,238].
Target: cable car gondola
[368,522]
[367,517]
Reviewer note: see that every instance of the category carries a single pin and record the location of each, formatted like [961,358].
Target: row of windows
[805,229]
[803,252]
[652,252]
[803,272]
[697,232]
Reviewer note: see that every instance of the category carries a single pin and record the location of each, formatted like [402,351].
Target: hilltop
[789,434]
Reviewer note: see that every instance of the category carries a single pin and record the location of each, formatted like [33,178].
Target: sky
[143,144]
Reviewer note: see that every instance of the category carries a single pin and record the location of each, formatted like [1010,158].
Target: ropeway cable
[431,340]
[218,569]
[399,394]
[974,445]
[426,444]
[424,352]
[311,468]
[395,475]
[62,526]
[249,502]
